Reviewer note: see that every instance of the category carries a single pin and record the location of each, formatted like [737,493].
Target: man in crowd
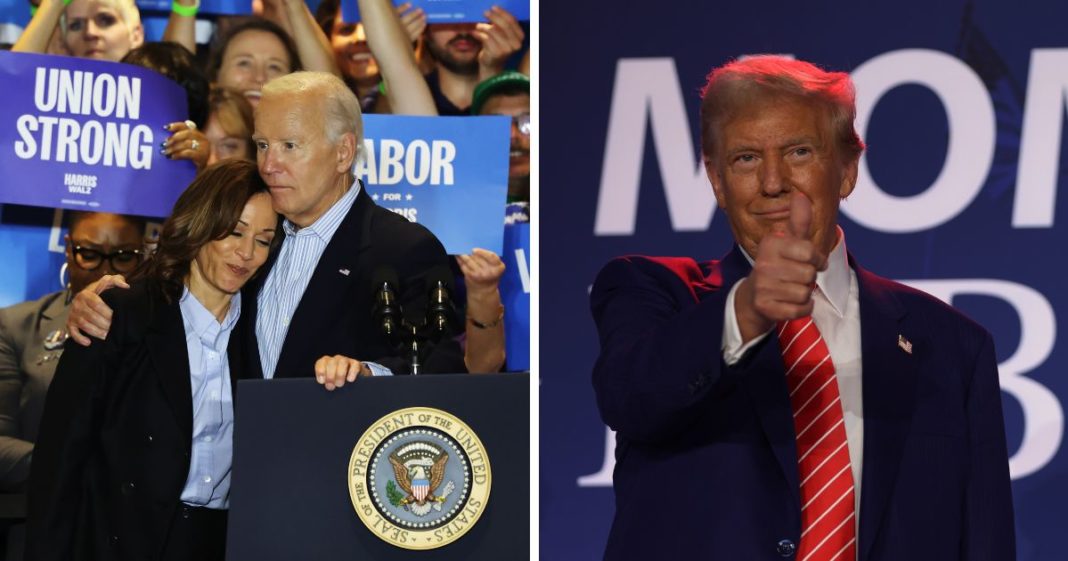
[317,297]
[468,53]
[508,94]
[758,398]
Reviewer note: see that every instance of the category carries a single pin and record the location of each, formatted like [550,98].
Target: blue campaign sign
[15,11]
[85,134]
[515,295]
[14,15]
[449,174]
[155,14]
[207,7]
[154,25]
[449,11]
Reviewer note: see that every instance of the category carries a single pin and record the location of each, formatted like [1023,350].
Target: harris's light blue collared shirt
[211,458]
[289,278]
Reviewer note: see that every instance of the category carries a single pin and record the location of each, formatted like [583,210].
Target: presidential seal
[419,478]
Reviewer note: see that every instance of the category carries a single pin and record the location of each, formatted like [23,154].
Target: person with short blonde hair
[97,29]
[342,108]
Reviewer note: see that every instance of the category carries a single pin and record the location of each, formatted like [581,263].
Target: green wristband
[33,9]
[185,11]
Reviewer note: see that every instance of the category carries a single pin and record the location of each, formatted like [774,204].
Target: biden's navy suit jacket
[706,459]
[335,316]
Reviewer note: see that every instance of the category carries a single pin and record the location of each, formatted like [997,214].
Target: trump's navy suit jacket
[706,461]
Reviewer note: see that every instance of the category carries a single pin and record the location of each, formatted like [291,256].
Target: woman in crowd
[250,53]
[230,126]
[32,333]
[135,448]
[357,63]
[391,44]
[98,29]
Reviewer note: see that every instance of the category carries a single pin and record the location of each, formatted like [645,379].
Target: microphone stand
[412,335]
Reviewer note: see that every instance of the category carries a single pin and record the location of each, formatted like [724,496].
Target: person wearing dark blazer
[32,333]
[368,239]
[133,457]
[31,342]
[318,296]
[783,402]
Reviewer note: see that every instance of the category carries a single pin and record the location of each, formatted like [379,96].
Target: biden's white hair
[340,105]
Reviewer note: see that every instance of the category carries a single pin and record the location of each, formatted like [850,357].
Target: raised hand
[187,143]
[482,270]
[412,20]
[501,38]
[784,274]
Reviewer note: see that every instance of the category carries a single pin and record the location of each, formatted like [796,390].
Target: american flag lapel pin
[344,272]
[904,343]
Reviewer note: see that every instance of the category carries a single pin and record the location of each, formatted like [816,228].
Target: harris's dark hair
[208,210]
[177,63]
[236,27]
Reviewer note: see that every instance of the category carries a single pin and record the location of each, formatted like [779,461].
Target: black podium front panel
[292,444]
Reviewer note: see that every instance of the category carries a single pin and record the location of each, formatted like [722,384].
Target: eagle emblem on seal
[419,470]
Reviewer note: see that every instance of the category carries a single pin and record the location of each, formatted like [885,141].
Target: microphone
[439,309]
[386,310]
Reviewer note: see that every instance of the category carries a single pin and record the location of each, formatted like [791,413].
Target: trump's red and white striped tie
[828,517]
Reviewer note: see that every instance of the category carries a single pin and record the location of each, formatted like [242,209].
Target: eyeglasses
[522,123]
[123,260]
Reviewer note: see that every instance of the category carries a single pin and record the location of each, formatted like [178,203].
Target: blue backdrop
[962,105]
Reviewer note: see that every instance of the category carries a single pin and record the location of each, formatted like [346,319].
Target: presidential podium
[300,454]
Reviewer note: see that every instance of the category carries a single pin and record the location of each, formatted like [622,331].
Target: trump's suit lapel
[889,377]
[767,387]
[165,339]
[889,386]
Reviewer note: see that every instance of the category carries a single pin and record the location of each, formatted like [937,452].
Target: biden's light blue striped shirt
[289,278]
